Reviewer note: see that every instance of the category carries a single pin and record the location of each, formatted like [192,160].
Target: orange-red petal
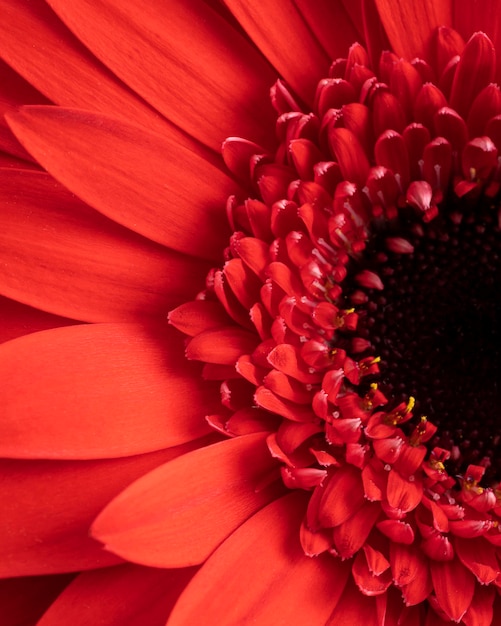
[187,62]
[409,25]
[178,514]
[98,391]
[142,180]
[50,505]
[280,32]
[261,574]
[84,266]
[118,596]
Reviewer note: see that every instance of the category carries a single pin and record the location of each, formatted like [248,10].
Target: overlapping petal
[98,391]
[124,595]
[81,256]
[147,182]
[187,62]
[272,581]
[51,504]
[177,515]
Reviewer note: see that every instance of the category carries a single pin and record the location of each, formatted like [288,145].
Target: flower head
[335,459]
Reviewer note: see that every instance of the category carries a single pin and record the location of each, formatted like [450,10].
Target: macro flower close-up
[250,255]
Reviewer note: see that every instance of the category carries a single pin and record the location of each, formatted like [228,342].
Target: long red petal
[118,596]
[187,62]
[99,391]
[14,91]
[454,586]
[323,16]
[409,25]
[261,574]
[50,505]
[142,180]
[18,319]
[177,515]
[66,259]
[38,46]
[280,32]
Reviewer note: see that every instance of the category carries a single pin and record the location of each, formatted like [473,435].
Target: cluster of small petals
[379,140]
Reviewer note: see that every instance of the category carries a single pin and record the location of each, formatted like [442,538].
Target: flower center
[436,326]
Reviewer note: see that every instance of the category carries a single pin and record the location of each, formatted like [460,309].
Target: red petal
[38,46]
[184,58]
[17,319]
[75,256]
[425,16]
[350,154]
[141,180]
[350,536]
[322,16]
[375,36]
[468,19]
[397,531]
[286,40]
[403,495]
[454,586]
[118,596]
[266,399]
[178,514]
[221,345]
[14,91]
[354,608]
[406,563]
[487,104]
[480,612]
[478,556]
[49,533]
[23,600]
[274,581]
[194,317]
[77,392]
[342,497]
[476,69]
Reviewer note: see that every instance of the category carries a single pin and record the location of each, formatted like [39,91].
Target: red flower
[347,470]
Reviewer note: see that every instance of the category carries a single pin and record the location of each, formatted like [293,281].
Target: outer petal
[324,17]
[17,319]
[23,600]
[14,91]
[99,391]
[186,61]
[354,608]
[80,264]
[38,46]
[126,595]
[280,32]
[49,506]
[409,24]
[177,515]
[260,575]
[139,179]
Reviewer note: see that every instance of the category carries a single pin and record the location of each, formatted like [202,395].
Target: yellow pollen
[471,484]
[410,405]
[473,173]
[437,465]
[415,439]
[395,417]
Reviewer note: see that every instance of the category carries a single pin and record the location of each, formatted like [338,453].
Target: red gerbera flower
[335,459]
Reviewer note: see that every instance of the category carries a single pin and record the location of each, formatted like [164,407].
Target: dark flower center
[436,327]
